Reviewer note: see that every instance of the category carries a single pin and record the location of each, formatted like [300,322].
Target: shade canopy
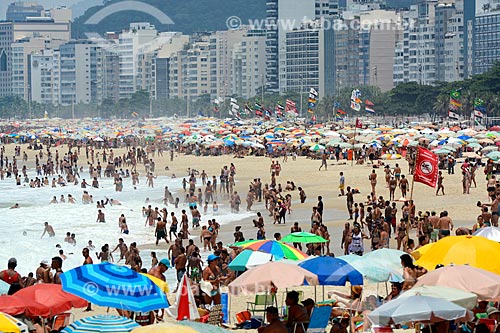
[333,271]
[416,309]
[248,259]
[53,297]
[303,237]
[491,233]
[102,323]
[459,297]
[272,275]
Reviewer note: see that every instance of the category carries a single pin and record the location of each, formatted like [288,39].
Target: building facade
[20,11]
[486,41]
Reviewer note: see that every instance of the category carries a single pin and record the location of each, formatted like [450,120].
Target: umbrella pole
[408,225]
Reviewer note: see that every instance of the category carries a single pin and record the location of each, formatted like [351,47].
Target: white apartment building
[249,65]
[130,43]
[414,59]
[42,77]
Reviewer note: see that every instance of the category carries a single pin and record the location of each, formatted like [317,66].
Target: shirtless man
[57,266]
[397,172]
[184,224]
[174,250]
[495,200]
[161,230]
[100,217]
[123,249]
[445,225]
[48,229]
[196,217]
[173,226]
[161,268]
[180,266]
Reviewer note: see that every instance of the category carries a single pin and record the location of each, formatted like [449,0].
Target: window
[3,61]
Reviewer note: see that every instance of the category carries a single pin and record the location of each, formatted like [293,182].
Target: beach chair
[382,330]
[490,323]
[61,320]
[260,303]
[215,315]
[320,317]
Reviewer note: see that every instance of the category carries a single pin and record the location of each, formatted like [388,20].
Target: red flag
[369,103]
[359,124]
[341,111]
[426,167]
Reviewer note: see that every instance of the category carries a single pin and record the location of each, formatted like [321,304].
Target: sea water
[22,228]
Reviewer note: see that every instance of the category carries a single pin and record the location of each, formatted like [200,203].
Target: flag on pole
[426,167]
[369,103]
[355,100]
[454,104]
[342,112]
[267,114]
[258,110]
[355,106]
[479,108]
[369,109]
[359,124]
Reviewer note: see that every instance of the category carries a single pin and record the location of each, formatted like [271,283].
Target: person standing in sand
[373,180]
[440,185]
[123,249]
[445,225]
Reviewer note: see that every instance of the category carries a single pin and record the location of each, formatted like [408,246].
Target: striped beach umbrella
[303,237]
[277,249]
[114,286]
[101,323]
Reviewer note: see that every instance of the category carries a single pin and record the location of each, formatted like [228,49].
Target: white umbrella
[492,233]
[457,296]
[417,309]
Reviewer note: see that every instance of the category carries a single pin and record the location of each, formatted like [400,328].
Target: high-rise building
[11,32]
[309,60]
[443,14]
[486,41]
[20,11]
[249,65]
[222,44]
[415,52]
[129,45]
[469,32]
[283,16]
[41,76]
[454,59]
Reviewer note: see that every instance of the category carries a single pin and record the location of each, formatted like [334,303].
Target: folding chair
[320,318]
[260,303]
[61,320]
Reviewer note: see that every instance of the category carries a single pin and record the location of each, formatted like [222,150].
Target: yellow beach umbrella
[8,325]
[159,282]
[474,251]
[164,328]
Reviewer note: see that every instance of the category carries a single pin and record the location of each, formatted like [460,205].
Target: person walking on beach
[445,225]
[323,162]
[180,266]
[440,185]
[161,231]
[57,266]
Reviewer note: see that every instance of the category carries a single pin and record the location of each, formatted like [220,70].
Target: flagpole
[354,141]
[408,225]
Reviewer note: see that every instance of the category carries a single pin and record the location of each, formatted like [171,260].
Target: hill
[189,16]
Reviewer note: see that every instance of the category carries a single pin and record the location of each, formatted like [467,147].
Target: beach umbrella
[484,284]
[185,304]
[462,250]
[248,259]
[494,155]
[489,148]
[491,233]
[4,287]
[16,305]
[474,145]
[267,277]
[373,270]
[277,249]
[303,237]
[114,286]
[417,309]
[389,258]
[317,147]
[333,271]
[101,323]
[202,328]
[159,282]
[52,296]
[459,297]
[166,328]
[9,324]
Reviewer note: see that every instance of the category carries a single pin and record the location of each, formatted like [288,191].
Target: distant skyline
[4,4]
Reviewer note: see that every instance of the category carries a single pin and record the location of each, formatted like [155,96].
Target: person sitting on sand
[275,324]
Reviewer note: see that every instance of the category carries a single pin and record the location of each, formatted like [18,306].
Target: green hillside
[188,15]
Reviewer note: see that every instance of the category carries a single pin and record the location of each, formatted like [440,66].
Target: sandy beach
[304,172]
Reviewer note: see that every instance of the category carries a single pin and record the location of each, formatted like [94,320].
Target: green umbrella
[248,259]
[303,237]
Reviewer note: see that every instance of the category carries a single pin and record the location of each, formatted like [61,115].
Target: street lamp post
[301,91]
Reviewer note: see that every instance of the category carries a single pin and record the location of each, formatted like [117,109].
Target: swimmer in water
[48,229]
[15,206]
[54,200]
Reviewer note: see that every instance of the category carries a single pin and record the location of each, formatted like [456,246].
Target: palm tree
[441,105]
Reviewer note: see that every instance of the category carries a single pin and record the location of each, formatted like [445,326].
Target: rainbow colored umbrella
[277,249]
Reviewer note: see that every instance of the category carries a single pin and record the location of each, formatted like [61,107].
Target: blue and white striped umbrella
[100,323]
[114,286]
